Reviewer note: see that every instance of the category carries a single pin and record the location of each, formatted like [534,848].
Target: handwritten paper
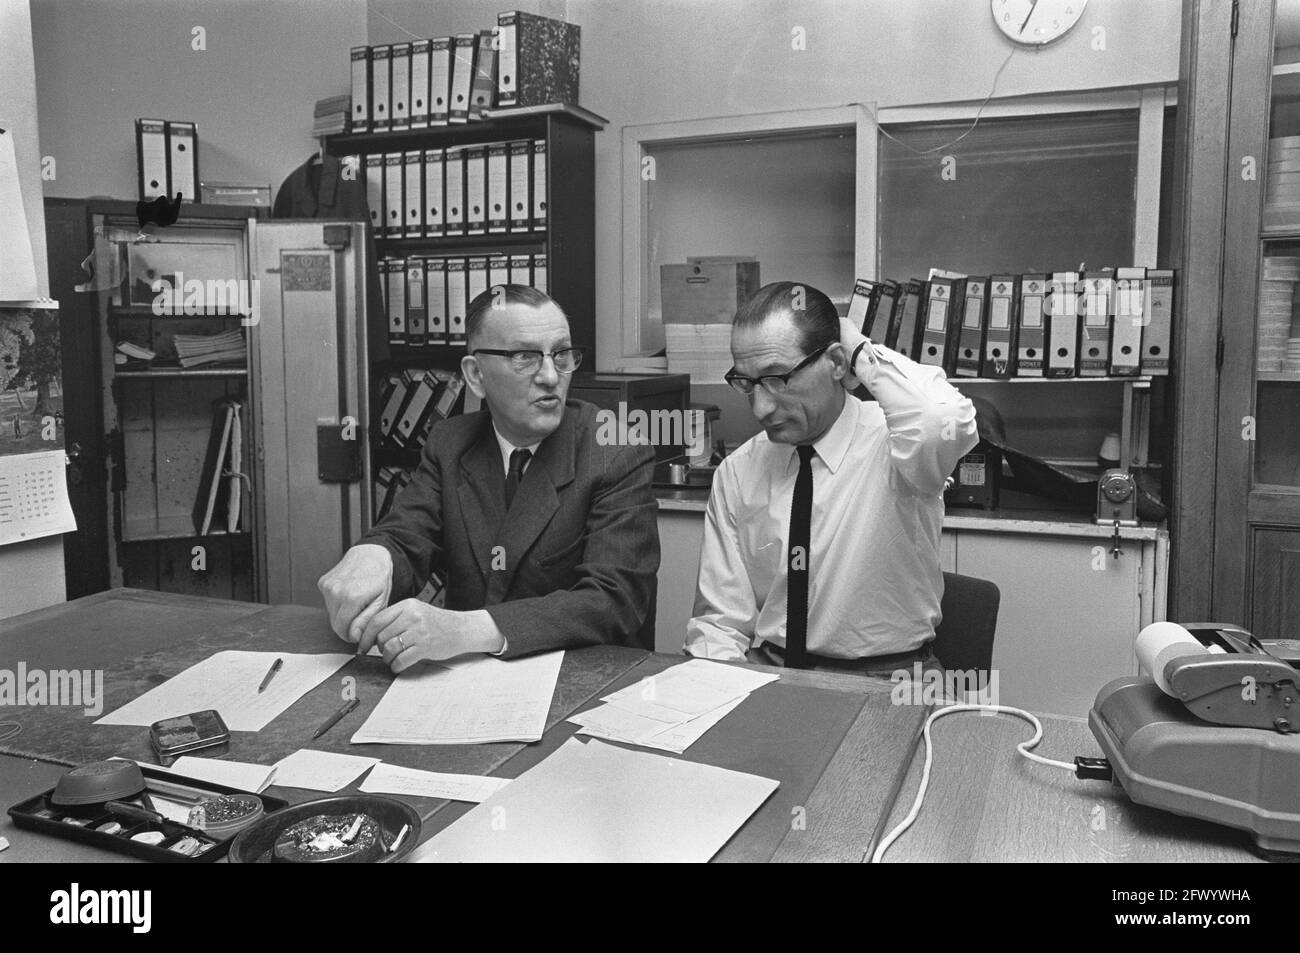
[320,770]
[672,710]
[394,779]
[34,497]
[599,803]
[465,701]
[228,681]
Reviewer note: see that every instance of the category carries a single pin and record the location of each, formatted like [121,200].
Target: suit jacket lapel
[482,494]
[536,500]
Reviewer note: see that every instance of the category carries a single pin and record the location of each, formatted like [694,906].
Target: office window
[1033,193]
[786,198]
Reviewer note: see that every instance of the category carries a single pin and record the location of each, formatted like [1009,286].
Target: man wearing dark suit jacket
[546,537]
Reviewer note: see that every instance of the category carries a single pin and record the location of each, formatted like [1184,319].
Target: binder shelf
[458,207]
[1083,421]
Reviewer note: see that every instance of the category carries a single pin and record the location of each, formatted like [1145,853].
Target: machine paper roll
[1161,642]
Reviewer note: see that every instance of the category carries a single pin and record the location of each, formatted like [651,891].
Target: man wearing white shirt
[821,540]
[546,536]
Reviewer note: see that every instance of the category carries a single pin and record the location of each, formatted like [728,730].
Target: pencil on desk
[335,718]
[275,667]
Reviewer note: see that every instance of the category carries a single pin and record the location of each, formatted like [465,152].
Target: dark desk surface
[836,742]
[792,730]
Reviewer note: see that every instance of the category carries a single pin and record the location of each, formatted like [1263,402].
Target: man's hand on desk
[411,631]
[850,337]
[357,588]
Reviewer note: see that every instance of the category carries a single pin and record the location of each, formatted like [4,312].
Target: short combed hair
[502,295]
[817,321]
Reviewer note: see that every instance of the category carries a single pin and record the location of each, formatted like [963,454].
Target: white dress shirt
[878,479]
[508,448]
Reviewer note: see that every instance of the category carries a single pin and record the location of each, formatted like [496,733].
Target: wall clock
[1036,22]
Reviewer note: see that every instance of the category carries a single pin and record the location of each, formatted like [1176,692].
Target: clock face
[1036,22]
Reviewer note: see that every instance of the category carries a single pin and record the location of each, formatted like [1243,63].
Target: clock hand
[1032,4]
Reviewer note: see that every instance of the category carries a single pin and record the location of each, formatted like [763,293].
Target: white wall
[31,574]
[101,64]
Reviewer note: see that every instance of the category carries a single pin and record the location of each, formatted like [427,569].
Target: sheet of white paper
[691,688]
[595,802]
[393,779]
[467,701]
[34,496]
[233,774]
[17,264]
[228,681]
[682,735]
[320,770]
[619,724]
[615,724]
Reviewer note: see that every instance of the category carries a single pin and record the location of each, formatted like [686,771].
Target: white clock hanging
[1036,22]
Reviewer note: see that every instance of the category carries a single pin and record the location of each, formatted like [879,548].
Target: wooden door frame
[1197,252]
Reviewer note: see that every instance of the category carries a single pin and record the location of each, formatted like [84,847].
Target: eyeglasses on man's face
[772,383]
[566,359]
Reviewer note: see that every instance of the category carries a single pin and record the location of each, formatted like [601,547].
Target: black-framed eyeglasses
[772,383]
[566,359]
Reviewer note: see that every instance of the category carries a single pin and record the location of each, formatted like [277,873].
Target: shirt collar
[508,448]
[834,443]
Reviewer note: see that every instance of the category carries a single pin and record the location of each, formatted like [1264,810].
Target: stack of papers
[1273,340]
[602,804]
[465,702]
[672,710]
[198,349]
[412,782]
[1282,189]
[701,350]
[331,115]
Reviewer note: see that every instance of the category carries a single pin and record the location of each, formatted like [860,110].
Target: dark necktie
[797,564]
[518,460]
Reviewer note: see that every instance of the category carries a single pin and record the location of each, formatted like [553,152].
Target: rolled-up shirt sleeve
[726,610]
[931,424]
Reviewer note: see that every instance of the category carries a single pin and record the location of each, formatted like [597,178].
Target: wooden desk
[835,742]
[988,803]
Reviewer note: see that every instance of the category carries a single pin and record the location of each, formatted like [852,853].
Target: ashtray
[286,837]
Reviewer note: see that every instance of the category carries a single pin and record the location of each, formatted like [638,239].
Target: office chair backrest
[964,637]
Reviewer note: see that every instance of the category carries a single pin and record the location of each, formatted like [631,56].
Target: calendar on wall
[34,496]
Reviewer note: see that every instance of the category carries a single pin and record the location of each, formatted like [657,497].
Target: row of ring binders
[426,298]
[484,189]
[1116,322]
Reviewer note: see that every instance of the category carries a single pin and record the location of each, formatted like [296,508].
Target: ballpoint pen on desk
[275,667]
[335,718]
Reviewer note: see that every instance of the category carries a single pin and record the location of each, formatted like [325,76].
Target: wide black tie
[797,563]
[518,460]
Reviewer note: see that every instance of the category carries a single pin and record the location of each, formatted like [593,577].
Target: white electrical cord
[1023,748]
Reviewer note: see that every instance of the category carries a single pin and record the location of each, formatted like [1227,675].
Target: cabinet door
[948,550]
[1275,584]
[1068,617]
[681,534]
[309,360]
